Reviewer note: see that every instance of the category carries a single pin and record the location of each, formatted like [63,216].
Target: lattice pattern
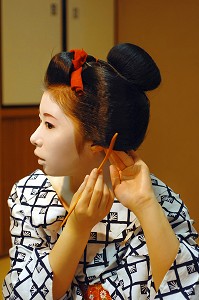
[116,253]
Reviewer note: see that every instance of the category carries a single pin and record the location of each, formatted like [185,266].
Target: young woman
[127,235]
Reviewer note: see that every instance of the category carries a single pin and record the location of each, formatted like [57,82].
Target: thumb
[115,176]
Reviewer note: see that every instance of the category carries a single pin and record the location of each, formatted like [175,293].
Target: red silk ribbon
[80,57]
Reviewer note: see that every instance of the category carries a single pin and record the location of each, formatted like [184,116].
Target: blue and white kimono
[116,254]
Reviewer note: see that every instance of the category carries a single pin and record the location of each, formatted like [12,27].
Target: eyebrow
[49,115]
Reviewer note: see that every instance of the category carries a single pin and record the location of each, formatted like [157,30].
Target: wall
[17,159]
[169,31]
[91,25]
[31,34]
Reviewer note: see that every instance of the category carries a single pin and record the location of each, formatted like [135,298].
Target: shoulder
[29,186]
[163,192]
[168,199]
[36,178]
[34,198]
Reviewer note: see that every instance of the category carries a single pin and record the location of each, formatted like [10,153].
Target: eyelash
[49,125]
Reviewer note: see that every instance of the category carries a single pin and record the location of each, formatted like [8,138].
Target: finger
[77,195]
[76,198]
[111,199]
[134,155]
[115,176]
[83,185]
[89,187]
[97,193]
[121,159]
[112,160]
[106,200]
[126,158]
[116,161]
[137,159]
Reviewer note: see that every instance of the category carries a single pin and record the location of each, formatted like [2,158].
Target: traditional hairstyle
[113,98]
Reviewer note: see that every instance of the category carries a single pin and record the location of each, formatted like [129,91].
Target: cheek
[65,148]
[63,155]
[65,160]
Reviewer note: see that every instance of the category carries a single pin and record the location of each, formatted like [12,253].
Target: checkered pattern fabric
[116,254]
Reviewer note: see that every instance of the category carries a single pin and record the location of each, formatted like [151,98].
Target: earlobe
[107,151]
[96,148]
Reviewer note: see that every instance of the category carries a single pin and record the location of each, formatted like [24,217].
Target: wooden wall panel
[98,38]
[169,31]
[31,34]
[17,159]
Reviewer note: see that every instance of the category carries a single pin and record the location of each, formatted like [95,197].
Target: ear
[96,148]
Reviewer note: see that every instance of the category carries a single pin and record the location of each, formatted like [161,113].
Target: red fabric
[80,57]
[95,292]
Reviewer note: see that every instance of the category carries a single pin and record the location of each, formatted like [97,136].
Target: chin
[54,173]
[48,172]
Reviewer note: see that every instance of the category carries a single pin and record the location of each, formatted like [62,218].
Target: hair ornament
[80,57]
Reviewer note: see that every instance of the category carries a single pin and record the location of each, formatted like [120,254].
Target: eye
[49,125]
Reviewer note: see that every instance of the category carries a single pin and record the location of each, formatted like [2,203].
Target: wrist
[77,229]
[147,209]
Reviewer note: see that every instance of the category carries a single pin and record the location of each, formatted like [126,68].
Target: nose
[35,138]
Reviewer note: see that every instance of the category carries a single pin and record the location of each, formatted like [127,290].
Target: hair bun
[136,65]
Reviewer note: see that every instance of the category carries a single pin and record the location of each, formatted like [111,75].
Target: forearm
[64,258]
[161,241]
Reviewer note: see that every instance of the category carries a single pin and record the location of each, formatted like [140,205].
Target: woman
[127,235]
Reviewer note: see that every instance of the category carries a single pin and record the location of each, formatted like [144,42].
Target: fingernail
[94,171]
[85,178]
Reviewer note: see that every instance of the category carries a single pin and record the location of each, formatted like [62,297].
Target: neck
[86,168]
[66,186]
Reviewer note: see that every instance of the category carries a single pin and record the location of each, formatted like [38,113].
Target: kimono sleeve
[182,280]
[30,275]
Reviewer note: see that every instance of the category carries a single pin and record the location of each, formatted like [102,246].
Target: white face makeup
[55,140]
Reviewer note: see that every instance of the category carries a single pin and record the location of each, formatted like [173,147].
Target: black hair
[114,98]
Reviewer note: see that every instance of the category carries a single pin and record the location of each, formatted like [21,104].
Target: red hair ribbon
[80,57]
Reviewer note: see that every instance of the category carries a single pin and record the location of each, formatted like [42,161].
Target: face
[54,140]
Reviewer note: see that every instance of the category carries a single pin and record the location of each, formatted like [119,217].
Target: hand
[131,181]
[94,201]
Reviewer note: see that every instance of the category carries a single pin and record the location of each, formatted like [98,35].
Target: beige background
[169,31]
[31,35]
[93,27]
